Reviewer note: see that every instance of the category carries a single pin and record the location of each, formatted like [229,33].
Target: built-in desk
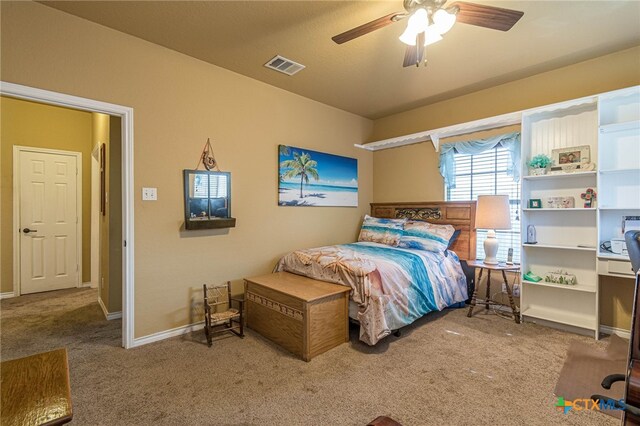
[615,265]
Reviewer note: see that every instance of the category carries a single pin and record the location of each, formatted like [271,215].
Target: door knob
[27,230]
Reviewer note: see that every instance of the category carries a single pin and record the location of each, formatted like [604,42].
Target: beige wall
[43,126]
[610,72]
[178,102]
[411,173]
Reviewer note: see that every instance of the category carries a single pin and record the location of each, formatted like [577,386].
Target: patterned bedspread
[392,286]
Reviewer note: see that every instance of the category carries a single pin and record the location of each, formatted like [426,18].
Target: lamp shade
[492,212]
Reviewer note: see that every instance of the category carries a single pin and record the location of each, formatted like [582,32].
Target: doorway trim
[17,188]
[126,113]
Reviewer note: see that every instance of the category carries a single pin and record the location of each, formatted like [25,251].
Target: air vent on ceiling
[284,65]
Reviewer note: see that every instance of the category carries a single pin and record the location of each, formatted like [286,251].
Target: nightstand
[502,267]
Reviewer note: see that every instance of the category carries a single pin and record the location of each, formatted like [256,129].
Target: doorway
[125,133]
[48,200]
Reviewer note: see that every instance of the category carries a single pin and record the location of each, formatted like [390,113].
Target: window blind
[486,174]
[217,186]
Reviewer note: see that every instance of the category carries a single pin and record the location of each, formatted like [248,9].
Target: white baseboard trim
[7,295]
[109,316]
[605,329]
[161,335]
[87,284]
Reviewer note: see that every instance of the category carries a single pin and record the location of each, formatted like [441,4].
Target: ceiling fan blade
[414,55]
[481,15]
[410,56]
[368,27]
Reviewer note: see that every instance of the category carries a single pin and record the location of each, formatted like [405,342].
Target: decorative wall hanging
[206,158]
[312,178]
[207,195]
[207,200]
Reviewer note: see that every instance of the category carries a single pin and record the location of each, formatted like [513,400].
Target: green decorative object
[530,276]
[540,161]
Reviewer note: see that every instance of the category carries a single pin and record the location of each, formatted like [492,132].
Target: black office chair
[632,413]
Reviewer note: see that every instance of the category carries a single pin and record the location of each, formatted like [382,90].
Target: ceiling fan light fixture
[443,20]
[419,21]
[431,35]
[408,37]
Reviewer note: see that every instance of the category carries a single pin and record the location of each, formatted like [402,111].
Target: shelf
[573,209]
[564,317]
[559,175]
[612,171]
[613,256]
[620,127]
[619,208]
[576,287]
[561,247]
[213,223]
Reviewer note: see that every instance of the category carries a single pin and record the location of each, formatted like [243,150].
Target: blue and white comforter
[392,286]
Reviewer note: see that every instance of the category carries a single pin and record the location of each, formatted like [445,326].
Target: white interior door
[48,221]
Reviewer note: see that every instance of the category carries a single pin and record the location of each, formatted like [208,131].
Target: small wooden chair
[218,311]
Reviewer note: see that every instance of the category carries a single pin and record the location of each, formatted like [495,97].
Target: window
[486,174]
[217,186]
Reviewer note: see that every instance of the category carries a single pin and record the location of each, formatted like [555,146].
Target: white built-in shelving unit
[569,239]
[618,172]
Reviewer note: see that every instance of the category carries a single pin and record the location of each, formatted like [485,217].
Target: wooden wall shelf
[226,222]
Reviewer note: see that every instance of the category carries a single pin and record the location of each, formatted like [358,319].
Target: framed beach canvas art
[312,178]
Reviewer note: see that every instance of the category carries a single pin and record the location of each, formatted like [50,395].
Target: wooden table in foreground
[502,267]
[36,390]
[303,315]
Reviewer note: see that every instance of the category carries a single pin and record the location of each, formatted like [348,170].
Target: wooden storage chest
[305,316]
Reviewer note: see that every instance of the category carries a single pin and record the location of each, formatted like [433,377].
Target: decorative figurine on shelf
[539,165]
[560,277]
[531,235]
[589,197]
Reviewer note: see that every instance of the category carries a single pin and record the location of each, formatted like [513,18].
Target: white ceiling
[365,76]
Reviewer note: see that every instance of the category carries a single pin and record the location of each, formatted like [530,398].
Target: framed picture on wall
[103,179]
[311,178]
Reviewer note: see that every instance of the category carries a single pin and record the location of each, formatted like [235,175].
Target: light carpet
[445,369]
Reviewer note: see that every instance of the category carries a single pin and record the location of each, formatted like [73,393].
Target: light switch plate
[149,194]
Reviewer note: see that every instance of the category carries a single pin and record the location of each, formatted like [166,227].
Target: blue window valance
[509,141]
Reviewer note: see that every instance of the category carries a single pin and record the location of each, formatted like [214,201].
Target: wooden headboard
[460,214]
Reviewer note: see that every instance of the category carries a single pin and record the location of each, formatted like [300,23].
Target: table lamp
[492,212]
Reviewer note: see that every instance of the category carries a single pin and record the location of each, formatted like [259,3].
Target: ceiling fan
[430,19]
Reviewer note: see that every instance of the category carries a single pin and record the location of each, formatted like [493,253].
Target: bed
[391,286]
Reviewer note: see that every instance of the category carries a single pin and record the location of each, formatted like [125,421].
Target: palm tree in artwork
[301,165]
[282,150]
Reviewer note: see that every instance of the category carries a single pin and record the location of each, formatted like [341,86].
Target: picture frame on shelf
[571,159]
[561,202]
[535,203]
